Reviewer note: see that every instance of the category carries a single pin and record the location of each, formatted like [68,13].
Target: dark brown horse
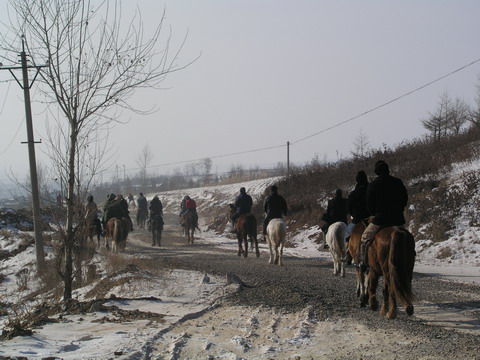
[117,230]
[246,229]
[391,255]
[141,218]
[93,229]
[156,227]
[190,223]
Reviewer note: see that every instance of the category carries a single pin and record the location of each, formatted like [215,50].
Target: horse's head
[232,209]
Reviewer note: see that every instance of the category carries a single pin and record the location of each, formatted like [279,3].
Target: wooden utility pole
[25,85]
[288,158]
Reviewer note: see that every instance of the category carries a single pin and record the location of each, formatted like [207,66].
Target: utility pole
[288,158]
[37,222]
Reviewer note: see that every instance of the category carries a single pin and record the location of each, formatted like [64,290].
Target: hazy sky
[276,71]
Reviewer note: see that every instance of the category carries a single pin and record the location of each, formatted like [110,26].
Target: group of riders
[116,206]
[381,202]
[275,207]
[378,204]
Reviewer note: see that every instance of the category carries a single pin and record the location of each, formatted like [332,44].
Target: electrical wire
[13,138]
[387,103]
[6,96]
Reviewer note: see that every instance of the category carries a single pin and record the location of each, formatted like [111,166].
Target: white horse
[276,234]
[336,243]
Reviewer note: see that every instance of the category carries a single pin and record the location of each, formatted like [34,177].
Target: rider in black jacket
[386,200]
[275,206]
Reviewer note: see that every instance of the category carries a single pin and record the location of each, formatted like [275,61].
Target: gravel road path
[446,324]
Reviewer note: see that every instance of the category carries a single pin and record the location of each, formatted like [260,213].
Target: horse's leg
[245,242]
[270,261]
[342,266]
[392,301]
[372,280]
[280,260]
[257,252]
[239,240]
[358,279]
[335,262]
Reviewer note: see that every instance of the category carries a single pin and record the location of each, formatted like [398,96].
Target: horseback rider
[131,200]
[124,210]
[357,206]
[336,210]
[91,215]
[156,209]
[190,207]
[386,200]
[243,205]
[275,207]
[110,210]
[142,203]
[183,205]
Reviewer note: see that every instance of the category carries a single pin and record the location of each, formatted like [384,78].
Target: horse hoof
[409,310]
[391,315]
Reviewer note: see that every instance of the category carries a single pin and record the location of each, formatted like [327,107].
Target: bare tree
[94,65]
[475,112]
[207,165]
[361,146]
[144,159]
[438,122]
[458,115]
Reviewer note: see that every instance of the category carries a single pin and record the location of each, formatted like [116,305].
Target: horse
[94,229]
[246,229]
[391,255]
[117,230]
[276,234]
[336,243]
[141,218]
[354,250]
[190,223]
[156,227]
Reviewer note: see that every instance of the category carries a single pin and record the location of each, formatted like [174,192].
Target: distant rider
[156,210]
[243,205]
[275,207]
[91,215]
[336,211]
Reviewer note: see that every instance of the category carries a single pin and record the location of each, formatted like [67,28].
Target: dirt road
[301,310]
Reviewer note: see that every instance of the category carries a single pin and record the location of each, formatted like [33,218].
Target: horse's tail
[401,261]
[251,225]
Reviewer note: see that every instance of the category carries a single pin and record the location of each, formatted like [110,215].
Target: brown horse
[93,229]
[246,229]
[117,230]
[156,228]
[141,218]
[190,223]
[391,255]
[354,250]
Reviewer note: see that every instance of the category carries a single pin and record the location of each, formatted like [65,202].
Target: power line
[199,159]
[13,138]
[6,96]
[386,103]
